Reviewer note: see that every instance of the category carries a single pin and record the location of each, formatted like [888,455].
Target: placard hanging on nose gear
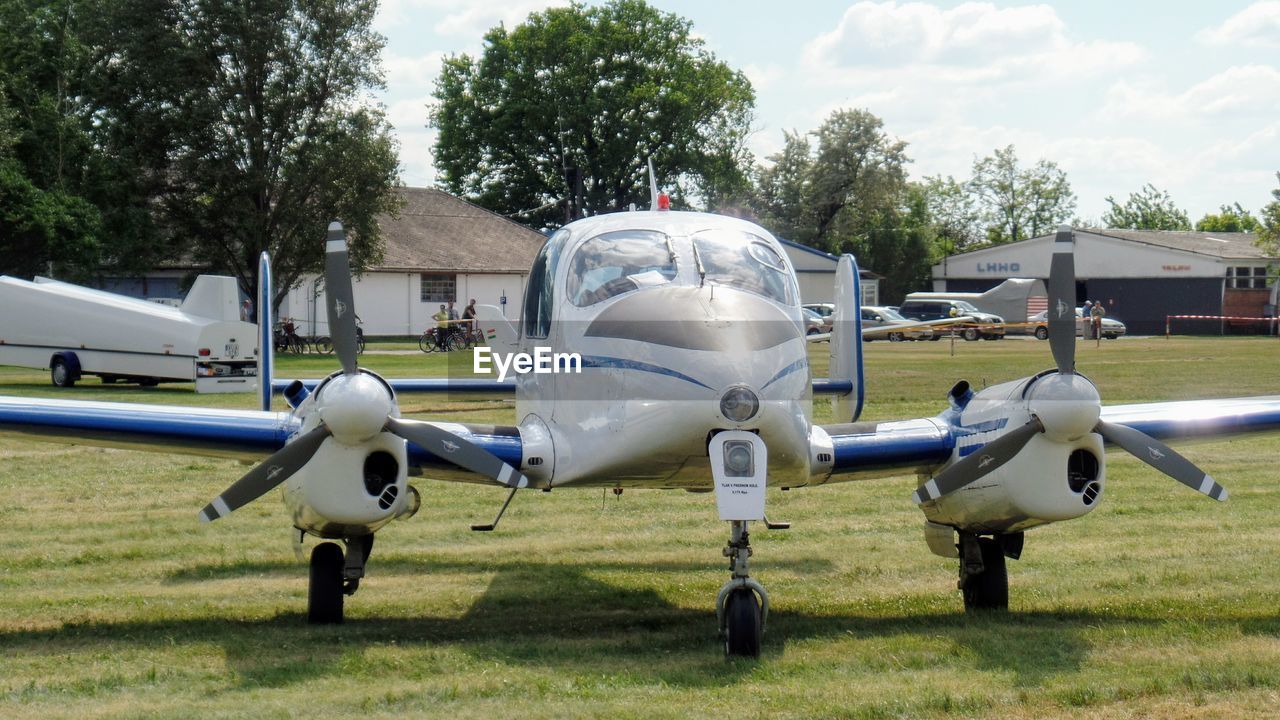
[739,460]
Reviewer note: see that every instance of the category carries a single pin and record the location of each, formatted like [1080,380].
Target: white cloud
[412,74]
[971,43]
[1240,92]
[1256,26]
[475,18]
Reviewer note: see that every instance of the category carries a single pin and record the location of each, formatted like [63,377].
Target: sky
[1119,93]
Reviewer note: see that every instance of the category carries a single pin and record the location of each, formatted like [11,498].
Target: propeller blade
[458,451]
[1062,302]
[977,464]
[342,306]
[1161,457]
[274,470]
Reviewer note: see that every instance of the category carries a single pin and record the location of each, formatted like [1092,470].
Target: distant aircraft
[695,376]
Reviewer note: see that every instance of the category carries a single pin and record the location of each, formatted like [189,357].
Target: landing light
[739,404]
[738,459]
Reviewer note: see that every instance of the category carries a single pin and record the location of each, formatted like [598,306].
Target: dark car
[984,325]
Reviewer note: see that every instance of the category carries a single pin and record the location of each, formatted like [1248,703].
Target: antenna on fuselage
[653,187]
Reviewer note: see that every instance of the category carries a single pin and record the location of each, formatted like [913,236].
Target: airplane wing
[868,450]
[248,435]
[882,330]
[503,388]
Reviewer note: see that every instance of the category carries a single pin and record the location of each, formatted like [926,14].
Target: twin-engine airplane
[694,375]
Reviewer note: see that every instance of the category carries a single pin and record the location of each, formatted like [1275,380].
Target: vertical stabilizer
[213,296]
[266,331]
[846,340]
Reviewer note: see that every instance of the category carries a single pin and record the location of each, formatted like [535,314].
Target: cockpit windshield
[619,262]
[745,261]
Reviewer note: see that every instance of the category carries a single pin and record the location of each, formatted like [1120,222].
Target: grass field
[115,602]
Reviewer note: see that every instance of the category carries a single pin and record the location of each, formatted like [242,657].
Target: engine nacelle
[1046,482]
[348,491]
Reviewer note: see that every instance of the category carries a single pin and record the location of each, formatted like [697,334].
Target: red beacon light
[664,202]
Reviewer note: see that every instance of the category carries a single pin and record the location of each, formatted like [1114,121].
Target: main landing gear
[334,575]
[984,581]
[742,606]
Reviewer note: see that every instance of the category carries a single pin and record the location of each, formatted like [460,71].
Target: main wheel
[989,589]
[1042,333]
[970,334]
[60,374]
[324,593]
[742,624]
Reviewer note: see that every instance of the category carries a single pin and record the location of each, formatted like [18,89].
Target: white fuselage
[659,355]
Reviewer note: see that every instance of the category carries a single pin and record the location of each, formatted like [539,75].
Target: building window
[439,288]
[1244,278]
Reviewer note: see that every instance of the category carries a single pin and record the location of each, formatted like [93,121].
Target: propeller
[1062,301]
[353,406]
[1064,405]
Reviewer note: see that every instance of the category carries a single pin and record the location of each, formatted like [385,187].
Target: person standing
[1095,316]
[1086,313]
[469,316]
[442,328]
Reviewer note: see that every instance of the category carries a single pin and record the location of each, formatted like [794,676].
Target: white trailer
[76,331]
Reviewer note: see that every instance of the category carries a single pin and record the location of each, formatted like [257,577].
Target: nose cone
[1068,405]
[354,407]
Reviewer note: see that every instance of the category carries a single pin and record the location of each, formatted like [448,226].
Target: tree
[1020,203]
[1147,209]
[826,194]
[1230,218]
[897,242]
[1269,226]
[45,148]
[558,117]
[248,121]
[954,214]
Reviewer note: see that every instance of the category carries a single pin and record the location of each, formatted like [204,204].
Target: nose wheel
[335,575]
[742,605]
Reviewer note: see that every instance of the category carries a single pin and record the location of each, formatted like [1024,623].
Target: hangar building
[1141,276]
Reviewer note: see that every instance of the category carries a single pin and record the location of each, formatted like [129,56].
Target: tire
[454,342]
[296,345]
[1110,337]
[324,591]
[60,374]
[936,337]
[895,337]
[971,334]
[989,589]
[1042,332]
[742,629]
[427,343]
[324,346]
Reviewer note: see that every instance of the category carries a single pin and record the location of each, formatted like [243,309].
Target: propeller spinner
[354,407]
[1064,405]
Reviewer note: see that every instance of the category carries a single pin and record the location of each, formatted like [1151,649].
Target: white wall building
[439,248]
[816,274]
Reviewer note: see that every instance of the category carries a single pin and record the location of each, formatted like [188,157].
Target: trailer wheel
[60,374]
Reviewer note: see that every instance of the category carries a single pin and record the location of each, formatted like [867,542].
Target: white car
[1111,329]
[876,316]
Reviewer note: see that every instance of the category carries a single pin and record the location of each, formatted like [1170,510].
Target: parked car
[826,311]
[985,325]
[1111,328]
[814,323]
[876,316]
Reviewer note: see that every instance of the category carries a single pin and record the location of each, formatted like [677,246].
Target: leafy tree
[1147,209]
[1018,203]
[45,148]
[557,118]
[248,119]
[824,194]
[954,214]
[1269,226]
[896,242]
[1230,218]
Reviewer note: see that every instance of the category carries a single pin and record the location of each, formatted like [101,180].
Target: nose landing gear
[742,605]
[334,575]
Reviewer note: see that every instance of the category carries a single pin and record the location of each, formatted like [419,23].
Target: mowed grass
[115,602]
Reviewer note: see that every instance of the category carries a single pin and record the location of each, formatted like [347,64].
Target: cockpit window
[540,293]
[619,262]
[745,261]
